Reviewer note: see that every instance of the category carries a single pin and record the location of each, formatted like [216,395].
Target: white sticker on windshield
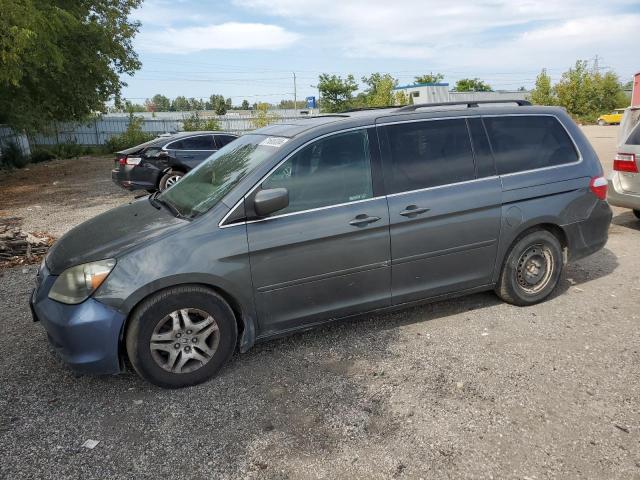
[274,141]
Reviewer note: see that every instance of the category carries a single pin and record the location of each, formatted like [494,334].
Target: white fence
[99,130]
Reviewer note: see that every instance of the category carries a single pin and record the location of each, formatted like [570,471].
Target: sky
[250,49]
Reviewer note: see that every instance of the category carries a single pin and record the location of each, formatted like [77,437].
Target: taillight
[598,186]
[129,160]
[625,162]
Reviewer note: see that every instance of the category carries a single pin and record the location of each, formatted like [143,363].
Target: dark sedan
[158,164]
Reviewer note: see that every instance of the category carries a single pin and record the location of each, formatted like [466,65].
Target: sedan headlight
[75,284]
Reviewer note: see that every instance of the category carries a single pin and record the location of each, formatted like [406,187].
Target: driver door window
[331,171]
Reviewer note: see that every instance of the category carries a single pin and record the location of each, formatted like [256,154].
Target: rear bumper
[85,336]
[134,177]
[618,197]
[590,235]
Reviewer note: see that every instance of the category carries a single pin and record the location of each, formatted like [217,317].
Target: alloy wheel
[185,340]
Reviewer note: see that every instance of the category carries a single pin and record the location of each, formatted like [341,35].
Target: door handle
[413,210]
[187,156]
[363,219]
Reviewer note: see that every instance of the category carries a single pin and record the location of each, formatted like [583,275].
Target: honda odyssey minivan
[320,219]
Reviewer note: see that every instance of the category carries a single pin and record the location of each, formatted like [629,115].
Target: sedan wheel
[169,179]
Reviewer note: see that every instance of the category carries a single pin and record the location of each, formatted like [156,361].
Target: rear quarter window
[521,142]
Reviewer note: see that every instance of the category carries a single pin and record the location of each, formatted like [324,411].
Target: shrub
[41,154]
[12,156]
[132,136]
[194,122]
[263,116]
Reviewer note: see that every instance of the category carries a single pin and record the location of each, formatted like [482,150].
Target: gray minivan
[321,219]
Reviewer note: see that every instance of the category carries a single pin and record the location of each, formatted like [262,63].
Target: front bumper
[618,197]
[86,336]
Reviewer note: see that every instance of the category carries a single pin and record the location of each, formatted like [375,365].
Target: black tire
[637,213]
[531,269]
[602,123]
[154,313]
[168,178]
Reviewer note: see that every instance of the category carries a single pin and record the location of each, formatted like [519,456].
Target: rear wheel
[181,336]
[636,213]
[169,179]
[531,270]
[602,123]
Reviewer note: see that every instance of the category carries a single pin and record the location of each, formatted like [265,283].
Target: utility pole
[295,92]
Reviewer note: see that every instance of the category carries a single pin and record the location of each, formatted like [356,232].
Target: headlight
[75,284]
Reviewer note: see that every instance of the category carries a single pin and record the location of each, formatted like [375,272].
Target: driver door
[327,254]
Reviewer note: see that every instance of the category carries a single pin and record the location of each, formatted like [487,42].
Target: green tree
[543,94]
[575,88]
[161,103]
[131,107]
[217,103]
[430,78]
[180,104]
[472,85]
[336,92]
[63,59]
[401,98]
[586,93]
[380,92]
[245,104]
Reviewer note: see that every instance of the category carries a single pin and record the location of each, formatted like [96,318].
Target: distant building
[439,92]
[426,92]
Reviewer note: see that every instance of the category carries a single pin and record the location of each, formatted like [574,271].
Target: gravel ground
[469,388]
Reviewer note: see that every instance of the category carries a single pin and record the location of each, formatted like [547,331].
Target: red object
[625,162]
[122,160]
[599,186]
[635,94]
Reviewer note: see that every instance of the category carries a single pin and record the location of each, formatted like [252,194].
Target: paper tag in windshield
[273,142]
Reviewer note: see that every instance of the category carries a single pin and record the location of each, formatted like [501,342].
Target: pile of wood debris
[18,247]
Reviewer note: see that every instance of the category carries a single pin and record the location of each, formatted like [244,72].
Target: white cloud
[224,36]
[487,33]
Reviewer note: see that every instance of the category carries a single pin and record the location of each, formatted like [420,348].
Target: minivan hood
[111,233]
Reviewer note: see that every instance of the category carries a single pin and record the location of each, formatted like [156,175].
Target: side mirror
[269,201]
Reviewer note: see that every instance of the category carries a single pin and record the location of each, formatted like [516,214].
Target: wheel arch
[547,224]
[245,321]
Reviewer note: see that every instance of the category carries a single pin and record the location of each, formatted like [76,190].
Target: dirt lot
[469,388]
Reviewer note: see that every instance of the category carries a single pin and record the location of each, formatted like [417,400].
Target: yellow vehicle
[612,118]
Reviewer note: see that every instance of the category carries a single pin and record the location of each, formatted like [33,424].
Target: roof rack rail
[363,109]
[469,104]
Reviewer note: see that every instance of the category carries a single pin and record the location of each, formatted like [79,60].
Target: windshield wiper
[153,201]
[157,202]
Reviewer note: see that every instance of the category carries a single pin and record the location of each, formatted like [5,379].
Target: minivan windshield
[206,184]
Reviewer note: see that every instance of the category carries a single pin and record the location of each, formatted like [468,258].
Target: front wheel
[531,270]
[181,336]
[169,179]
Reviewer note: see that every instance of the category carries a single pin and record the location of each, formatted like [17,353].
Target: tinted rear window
[427,154]
[528,142]
[224,139]
[202,142]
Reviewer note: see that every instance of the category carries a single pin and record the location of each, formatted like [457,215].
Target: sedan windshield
[206,184]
